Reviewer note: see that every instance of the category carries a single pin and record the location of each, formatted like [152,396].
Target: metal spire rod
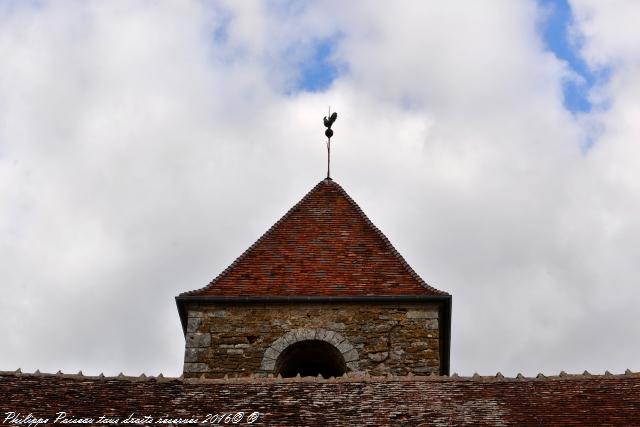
[328,122]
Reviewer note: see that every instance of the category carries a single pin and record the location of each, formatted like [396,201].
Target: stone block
[378,357]
[233,340]
[268,364]
[197,340]
[344,346]
[422,344]
[321,334]
[351,355]
[422,314]
[297,335]
[280,323]
[220,328]
[279,344]
[196,367]
[270,353]
[423,370]
[358,340]
[378,328]
[392,316]
[217,313]
[290,338]
[431,324]
[337,339]
[329,336]
[308,334]
[193,323]
[336,326]
[191,354]
[398,354]
[353,366]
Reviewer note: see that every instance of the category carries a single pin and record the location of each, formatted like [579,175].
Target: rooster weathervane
[328,122]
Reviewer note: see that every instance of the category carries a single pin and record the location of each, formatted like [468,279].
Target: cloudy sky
[144,145]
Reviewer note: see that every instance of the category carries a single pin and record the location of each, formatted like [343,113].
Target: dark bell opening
[310,358]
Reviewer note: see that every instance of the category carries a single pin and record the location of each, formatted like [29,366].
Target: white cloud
[144,146]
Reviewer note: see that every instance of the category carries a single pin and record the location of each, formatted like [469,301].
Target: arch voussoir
[346,349]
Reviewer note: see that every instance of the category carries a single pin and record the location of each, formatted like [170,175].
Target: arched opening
[310,358]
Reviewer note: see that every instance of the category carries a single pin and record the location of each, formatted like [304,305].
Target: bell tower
[322,292]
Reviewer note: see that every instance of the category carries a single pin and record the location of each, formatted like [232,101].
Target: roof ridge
[351,377]
[384,238]
[257,242]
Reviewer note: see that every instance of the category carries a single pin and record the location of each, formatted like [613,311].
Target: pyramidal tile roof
[324,246]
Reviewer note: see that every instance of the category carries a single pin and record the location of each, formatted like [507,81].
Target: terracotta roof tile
[480,401]
[324,246]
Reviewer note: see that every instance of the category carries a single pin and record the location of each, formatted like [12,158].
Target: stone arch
[311,358]
[346,349]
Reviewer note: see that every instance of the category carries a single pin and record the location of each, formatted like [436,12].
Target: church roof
[324,246]
[567,400]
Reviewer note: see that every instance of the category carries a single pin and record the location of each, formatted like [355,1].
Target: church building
[322,292]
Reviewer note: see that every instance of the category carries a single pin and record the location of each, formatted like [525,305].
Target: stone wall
[376,338]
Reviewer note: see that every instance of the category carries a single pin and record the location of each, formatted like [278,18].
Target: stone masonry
[374,338]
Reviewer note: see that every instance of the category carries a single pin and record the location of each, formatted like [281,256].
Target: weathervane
[328,122]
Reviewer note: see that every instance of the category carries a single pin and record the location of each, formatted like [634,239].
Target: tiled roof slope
[324,246]
[425,401]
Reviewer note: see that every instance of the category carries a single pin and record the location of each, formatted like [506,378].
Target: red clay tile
[324,246]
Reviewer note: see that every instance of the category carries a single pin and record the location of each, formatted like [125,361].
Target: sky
[145,145]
